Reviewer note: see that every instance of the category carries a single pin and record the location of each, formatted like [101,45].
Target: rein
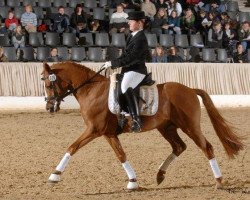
[52,78]
[74,90]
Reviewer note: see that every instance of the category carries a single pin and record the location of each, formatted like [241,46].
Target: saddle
[146,92]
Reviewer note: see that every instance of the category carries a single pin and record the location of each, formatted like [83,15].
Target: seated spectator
[159,55]
[229,39]
[188,25]
[174,23]
[78,21]
[29,19]
[54,56]
[149,9]
[160,23]
[129,4]
[3,29]
[244,34]
[215,36]
[172,55]
[18,37]
[203,24]
[118,22]
[161,4]
[194,53]
[3,57]
[215,6]
[11,22]
[224,18]
[174,5]
[240,56]
[60,21]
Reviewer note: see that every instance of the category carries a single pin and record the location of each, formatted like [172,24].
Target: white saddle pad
[148,93]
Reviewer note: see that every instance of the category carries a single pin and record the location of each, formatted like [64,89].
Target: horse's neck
[80,76]
[91,87]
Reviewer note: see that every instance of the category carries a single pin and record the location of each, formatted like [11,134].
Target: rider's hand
[107,64]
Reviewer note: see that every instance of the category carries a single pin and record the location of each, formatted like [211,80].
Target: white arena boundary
[38,103]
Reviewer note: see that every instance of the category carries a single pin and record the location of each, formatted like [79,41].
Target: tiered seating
[96,44]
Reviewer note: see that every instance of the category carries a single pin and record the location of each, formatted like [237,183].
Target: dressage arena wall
[227,83]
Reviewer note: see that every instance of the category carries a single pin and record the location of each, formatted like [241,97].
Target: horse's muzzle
[52,106]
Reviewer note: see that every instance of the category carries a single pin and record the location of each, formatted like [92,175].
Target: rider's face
[134,25]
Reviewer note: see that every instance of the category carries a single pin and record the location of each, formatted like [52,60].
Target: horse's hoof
[54,178]
[218,186]
[160,177]
[132,186]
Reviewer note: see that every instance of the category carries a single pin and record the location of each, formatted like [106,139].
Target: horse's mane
[80,68]
[69,64]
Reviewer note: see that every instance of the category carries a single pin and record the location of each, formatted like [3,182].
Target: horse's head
[54,87]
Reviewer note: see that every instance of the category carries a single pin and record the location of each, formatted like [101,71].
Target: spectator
[194,53]
[78,21]
[60,21]
[161,4]
[203,24]
[244,34]
[118,22]
[172,55]
[159,55]
[240,56]
[160,23]
[18,37]
[215,35]
[54,56]
[128,4]
[188,22]
[29,19]
[11,22]
[3,58]
[174,5]
[149,9]
[229,39]
[3,29]
[215,6]
[174,23]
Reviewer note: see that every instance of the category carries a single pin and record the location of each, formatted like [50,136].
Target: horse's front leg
[117,147]
[84,139]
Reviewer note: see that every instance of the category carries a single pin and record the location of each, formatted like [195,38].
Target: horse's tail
[230,141]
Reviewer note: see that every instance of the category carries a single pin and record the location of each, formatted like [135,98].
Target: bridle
[71,90]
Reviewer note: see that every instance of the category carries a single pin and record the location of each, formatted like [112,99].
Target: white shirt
[135,32]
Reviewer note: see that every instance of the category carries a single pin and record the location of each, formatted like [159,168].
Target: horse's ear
[46,67]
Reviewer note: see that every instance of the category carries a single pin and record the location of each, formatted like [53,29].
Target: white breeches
[131,79]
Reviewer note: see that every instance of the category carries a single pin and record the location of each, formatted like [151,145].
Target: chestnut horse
[179,107]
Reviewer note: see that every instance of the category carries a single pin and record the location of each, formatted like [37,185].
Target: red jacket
[193,1]
[8,22]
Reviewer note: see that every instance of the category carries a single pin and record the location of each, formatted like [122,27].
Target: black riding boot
[133,109]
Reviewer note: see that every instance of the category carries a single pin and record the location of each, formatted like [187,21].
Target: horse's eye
[43,78]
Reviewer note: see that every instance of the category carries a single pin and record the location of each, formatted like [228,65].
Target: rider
[133,65]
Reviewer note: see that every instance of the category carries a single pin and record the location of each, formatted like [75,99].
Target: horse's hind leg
[169,132]
[84,139]
[207,149]
[117,147]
